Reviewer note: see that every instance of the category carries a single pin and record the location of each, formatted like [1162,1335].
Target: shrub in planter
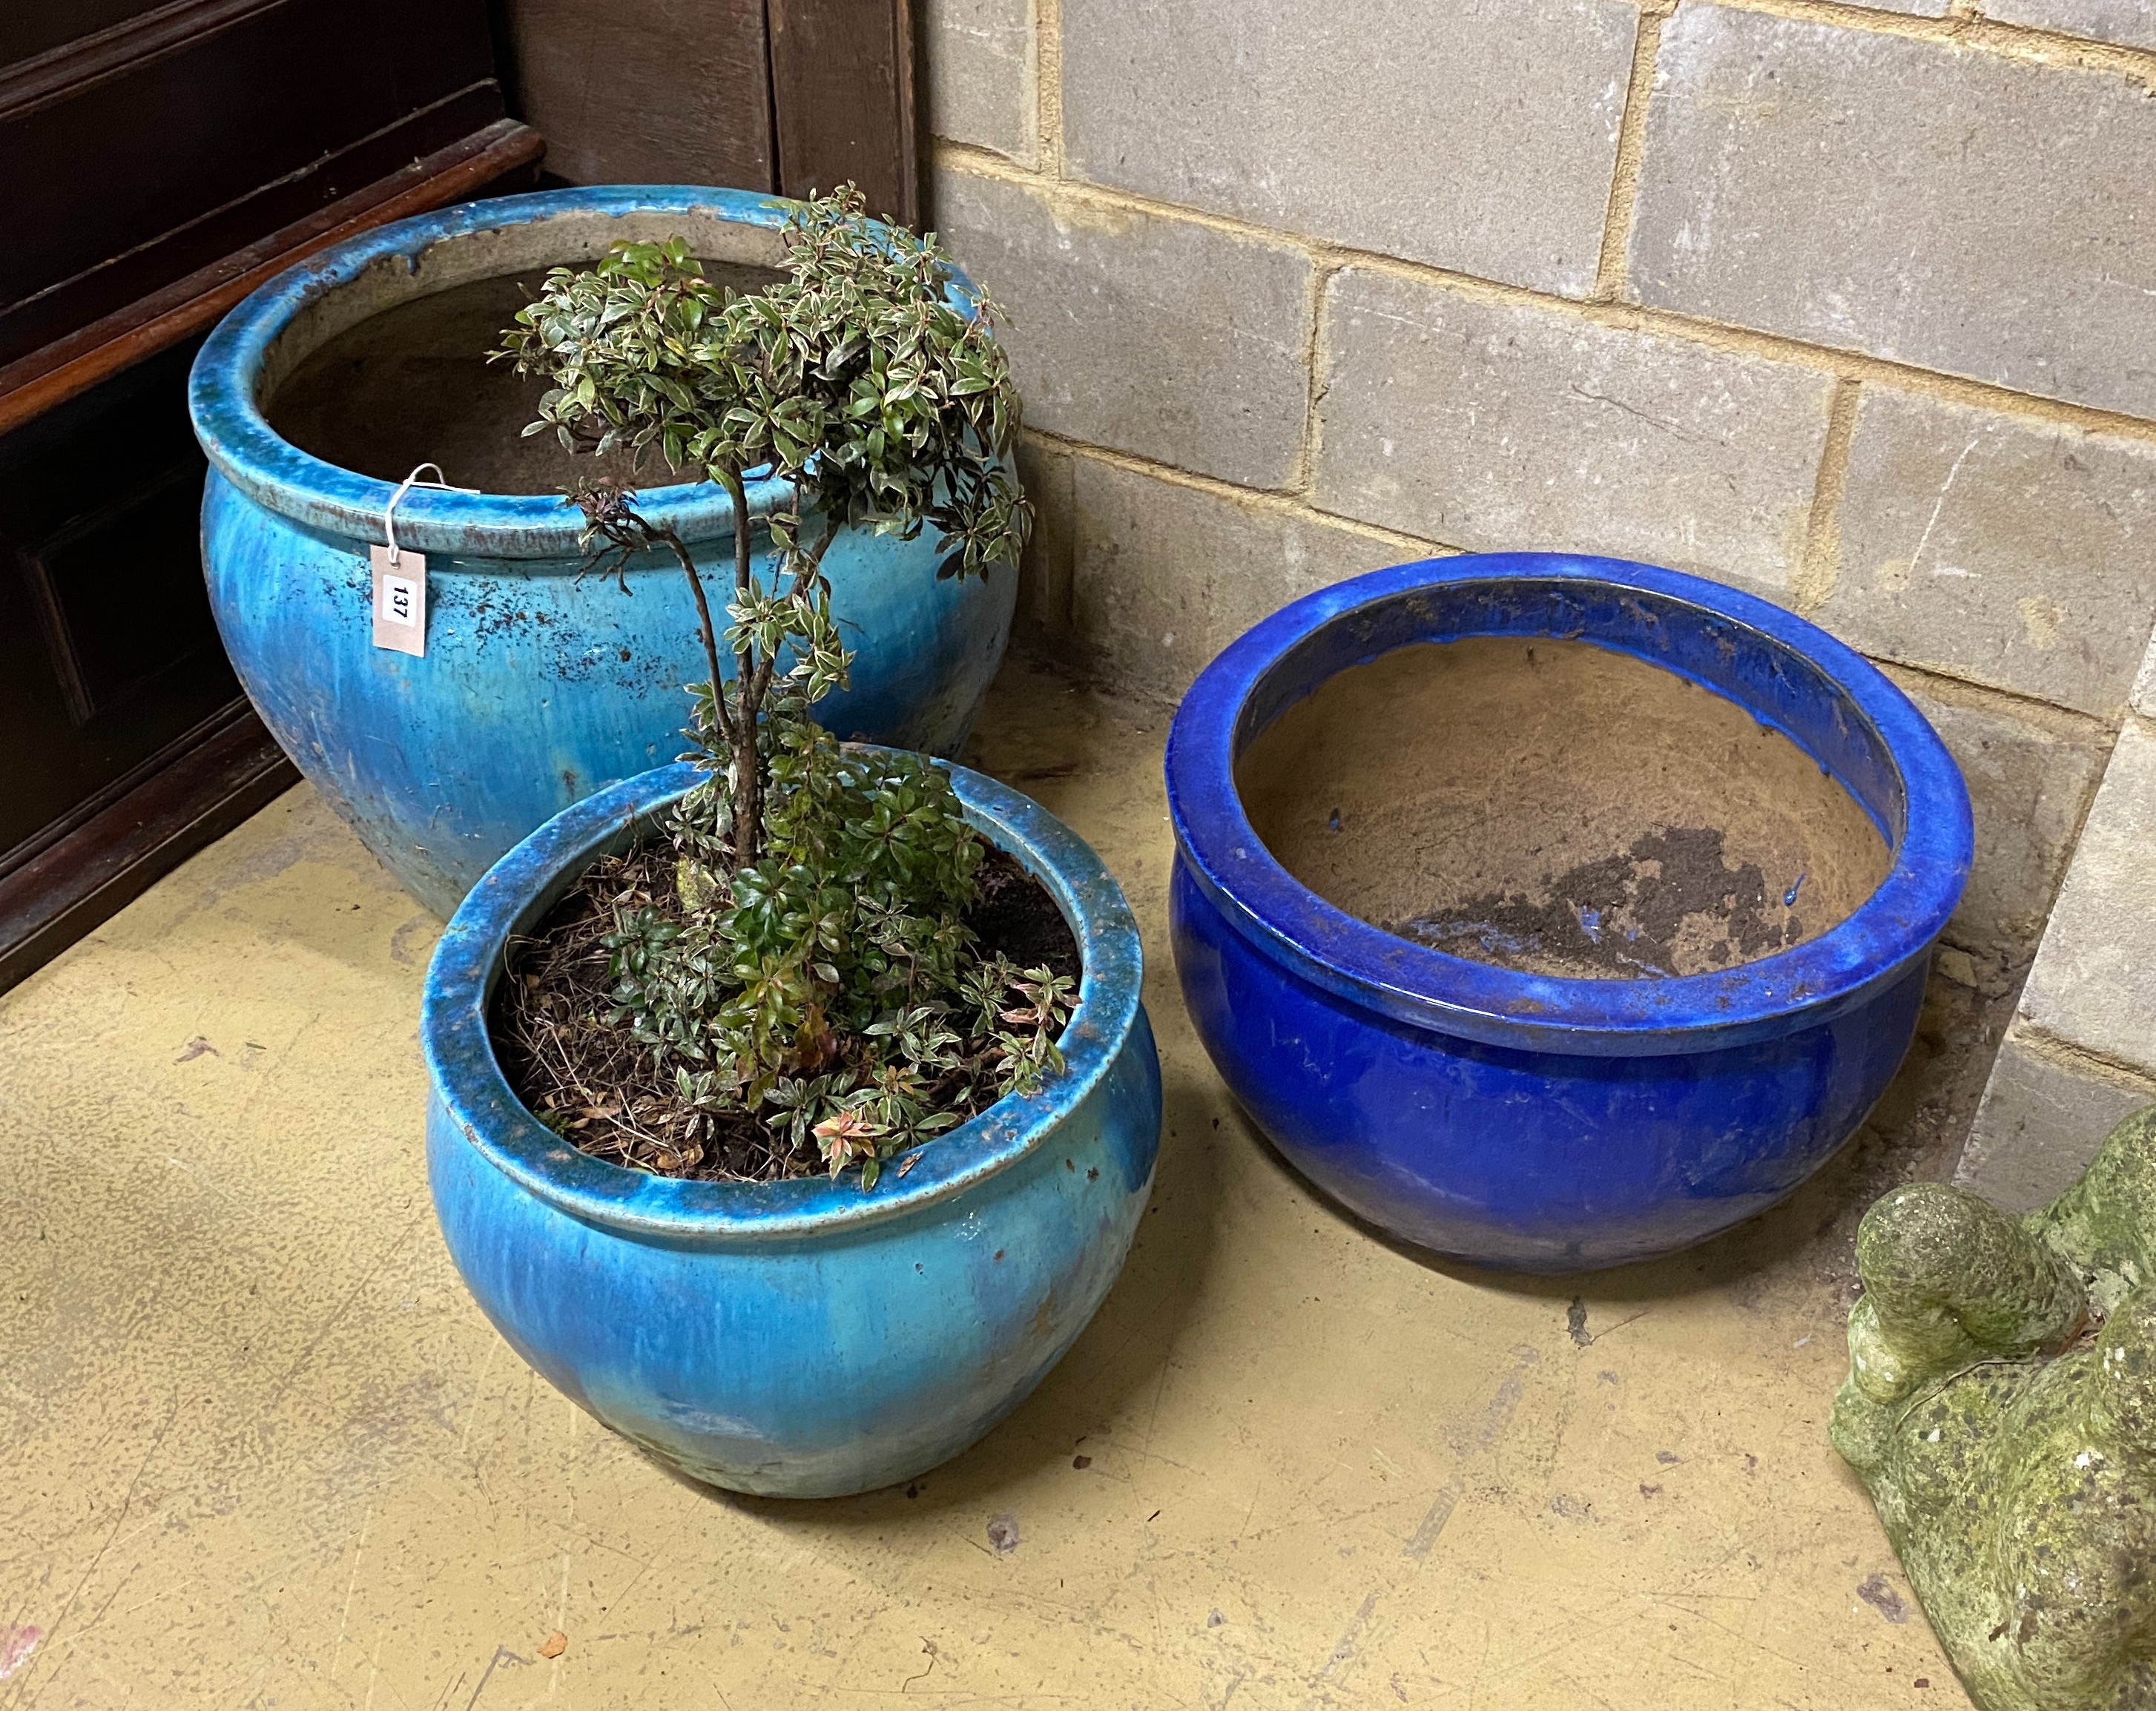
[778,958]
[811,959]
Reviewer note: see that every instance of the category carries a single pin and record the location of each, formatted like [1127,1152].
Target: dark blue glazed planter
[538,686]
[799,1339]
[1522,1121]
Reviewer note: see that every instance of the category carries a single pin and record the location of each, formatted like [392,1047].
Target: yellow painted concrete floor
[260,1449]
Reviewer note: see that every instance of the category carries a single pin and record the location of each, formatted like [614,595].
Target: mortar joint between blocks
[2040,1042]
[1048,86]
[1631,149]
[1967,30]
[1266,502]
[1720,335]
[2067,724]
[1316,358]
[1814,585]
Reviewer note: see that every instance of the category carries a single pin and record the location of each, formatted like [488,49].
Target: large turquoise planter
[800,1339]
[539,685]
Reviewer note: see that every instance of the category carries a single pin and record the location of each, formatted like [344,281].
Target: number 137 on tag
[400,600]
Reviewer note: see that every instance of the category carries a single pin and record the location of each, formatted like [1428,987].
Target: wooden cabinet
[159,162]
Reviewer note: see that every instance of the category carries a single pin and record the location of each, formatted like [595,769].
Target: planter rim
[1423,986]
[526,883]
[279,477]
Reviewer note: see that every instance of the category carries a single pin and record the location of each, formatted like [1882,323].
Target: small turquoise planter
[539,686]
[799,1339]
[1517,1120]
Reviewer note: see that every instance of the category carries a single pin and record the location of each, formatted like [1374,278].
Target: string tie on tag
[389,511]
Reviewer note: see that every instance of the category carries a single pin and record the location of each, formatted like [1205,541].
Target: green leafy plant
[809,965]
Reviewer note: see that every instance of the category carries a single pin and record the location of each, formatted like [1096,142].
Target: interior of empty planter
[391,370]
[1556,807]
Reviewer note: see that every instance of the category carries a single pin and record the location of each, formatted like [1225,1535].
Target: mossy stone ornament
[2000,1408]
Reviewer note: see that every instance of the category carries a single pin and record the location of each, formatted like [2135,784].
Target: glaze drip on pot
[1559,808]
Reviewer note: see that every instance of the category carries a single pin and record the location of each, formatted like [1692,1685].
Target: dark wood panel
[113,617]
[81,58]
[107,486]
[32,28]
[500,157]
[219,774]
[138,176]
[842,94]
[644,91]
[126,277]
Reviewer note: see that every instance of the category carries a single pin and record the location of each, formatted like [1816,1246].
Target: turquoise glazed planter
[538,685]
[799,1339]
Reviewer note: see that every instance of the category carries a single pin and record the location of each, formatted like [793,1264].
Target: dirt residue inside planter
[1557,809]
[412,385]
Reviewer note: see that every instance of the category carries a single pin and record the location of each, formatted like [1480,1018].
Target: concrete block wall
[1853,306]
[2081,1052]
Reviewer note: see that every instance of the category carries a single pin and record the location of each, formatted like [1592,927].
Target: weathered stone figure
[2000,1408]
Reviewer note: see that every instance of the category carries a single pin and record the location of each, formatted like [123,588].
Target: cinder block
[2027,786]
[2131,23]
[1954,209]
[1478,135]
[2023,557]
[1162,576]
[1042,617]
[1166,338]
[2094,982]
[978,57]
[2042,1119]
[1490,425]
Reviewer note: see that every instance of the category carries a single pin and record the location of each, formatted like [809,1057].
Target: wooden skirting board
[195,792]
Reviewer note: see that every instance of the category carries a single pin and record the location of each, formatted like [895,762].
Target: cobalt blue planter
[797,1338]
[1518,1120]
[538,685]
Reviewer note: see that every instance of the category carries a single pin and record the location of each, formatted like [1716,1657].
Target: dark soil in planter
[412,385]
[1559,808]
[597,1088]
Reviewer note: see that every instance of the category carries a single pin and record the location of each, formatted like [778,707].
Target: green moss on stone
[2000,1408]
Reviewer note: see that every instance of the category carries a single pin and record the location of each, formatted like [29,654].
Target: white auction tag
[400,599]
